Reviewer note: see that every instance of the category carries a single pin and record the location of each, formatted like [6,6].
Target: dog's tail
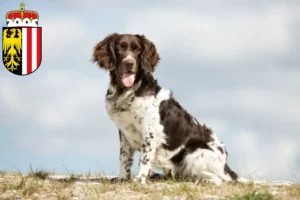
[231,173]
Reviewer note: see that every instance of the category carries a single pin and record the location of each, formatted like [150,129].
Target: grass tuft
[254,196]
[38,174]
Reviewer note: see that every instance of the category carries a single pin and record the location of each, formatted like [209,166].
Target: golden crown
[22,15]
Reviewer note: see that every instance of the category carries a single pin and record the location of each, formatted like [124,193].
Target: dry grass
[39,184]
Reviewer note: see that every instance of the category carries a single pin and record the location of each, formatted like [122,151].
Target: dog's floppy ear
[149,56]
[104,53]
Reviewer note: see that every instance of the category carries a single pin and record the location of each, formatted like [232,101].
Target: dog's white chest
[131,114]
[134,116]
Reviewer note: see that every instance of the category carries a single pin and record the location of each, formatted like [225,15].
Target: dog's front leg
[146,158]
[126,158]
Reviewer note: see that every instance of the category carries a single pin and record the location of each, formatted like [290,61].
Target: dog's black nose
[129,64]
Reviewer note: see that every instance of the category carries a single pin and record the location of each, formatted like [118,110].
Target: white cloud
[255,101]
[216,38]
[61,100]
[60,112]
[59,32]
[77,98]
[9,95]
[62,143]
[264,159]
[87,4]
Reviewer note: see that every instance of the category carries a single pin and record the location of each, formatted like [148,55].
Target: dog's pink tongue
[128,79]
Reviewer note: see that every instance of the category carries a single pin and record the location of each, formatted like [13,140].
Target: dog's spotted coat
[151,121]
[140,130]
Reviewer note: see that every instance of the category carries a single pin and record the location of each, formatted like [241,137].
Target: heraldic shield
[22,49]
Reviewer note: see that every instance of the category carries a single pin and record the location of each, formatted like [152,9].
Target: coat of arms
[22,41]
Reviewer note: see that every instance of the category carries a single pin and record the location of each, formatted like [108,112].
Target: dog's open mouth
[128,79]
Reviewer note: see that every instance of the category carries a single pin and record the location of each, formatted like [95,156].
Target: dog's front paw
[216,181]
[140,179]
[119,179]
[125,177]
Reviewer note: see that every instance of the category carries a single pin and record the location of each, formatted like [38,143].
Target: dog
[151,121]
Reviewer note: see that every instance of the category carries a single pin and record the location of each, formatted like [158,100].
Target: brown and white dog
[151,121]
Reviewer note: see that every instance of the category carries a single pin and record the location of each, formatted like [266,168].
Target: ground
[48,186]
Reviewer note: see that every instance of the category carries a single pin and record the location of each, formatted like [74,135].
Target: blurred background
[234,65]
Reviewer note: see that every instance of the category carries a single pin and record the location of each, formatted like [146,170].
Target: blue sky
[235,66]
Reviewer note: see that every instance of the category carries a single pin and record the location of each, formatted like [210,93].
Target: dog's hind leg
[211,177]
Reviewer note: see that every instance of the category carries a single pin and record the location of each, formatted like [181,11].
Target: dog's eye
[137,49]
[123,46]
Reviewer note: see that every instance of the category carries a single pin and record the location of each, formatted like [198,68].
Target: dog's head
[126,56]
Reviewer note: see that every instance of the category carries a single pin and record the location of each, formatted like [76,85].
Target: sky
[234,65]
